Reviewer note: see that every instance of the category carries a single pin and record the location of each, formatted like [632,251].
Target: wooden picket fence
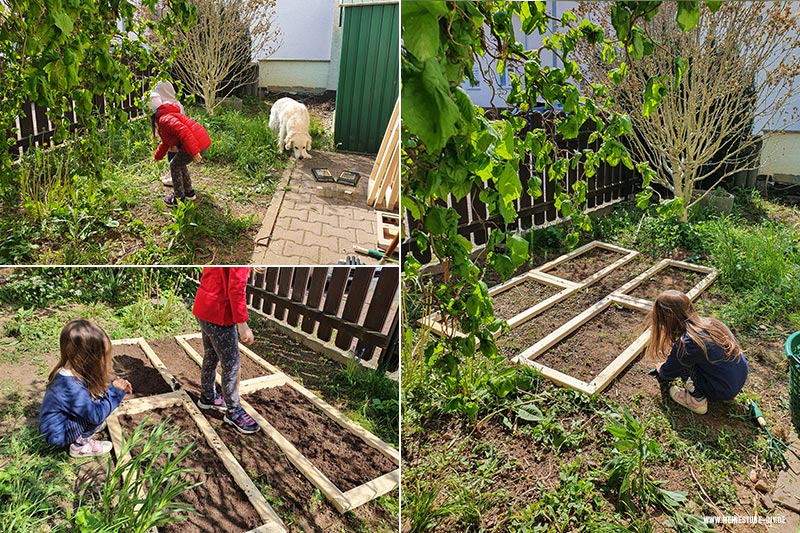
[608,186]
[357,307]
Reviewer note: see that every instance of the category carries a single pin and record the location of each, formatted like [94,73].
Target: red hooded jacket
[176,129]
[221,298]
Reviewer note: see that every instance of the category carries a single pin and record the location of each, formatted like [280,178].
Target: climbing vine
[450,146]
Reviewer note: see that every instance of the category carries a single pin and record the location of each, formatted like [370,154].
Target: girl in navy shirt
[702,351]
[79,397]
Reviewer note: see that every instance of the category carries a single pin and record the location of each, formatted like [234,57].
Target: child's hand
[245,333]
[658,367]
[122,384]
[197,158]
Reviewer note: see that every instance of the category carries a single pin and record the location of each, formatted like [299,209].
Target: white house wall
[308,58]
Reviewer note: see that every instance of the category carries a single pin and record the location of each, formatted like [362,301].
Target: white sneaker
[682,397]
[166,180]
[92,448]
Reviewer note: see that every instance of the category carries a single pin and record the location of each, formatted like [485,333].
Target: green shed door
[369,83]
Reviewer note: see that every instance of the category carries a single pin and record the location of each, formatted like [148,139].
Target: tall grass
[758,264]
[35,484]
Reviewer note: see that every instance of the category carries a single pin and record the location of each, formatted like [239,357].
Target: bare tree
[215,54]
[735,69]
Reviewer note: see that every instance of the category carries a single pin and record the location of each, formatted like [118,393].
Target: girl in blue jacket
[701,350]
[79,398]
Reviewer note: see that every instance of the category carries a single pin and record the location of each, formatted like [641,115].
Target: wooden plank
[602,380]
[115,430]
[270,285]
[638,304]
[309,471]
[615,248]
[513,282]
[318,277]
[690,266]
[556,376]
[373,489]
[557,335]
[299,286]
[284,284]
[148,403]
[394,170]
[333,299]
[553,280]
[156,361]
[700,287]
[182,340]
[259,280]
[125,342]
[337,416]
[231,464]
[382,299]
[262,382]
[362,279]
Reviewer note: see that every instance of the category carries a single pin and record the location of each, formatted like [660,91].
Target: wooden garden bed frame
[540,275]
[342,501]
[179,397]
[619,297]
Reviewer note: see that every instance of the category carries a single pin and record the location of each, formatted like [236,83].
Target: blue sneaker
[217,404]
[243,422]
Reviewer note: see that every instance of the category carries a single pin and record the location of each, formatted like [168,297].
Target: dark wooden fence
[607,186]
[356,306]
[35,129]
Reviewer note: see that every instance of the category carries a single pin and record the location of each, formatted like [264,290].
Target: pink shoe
[682,397]
[92,448]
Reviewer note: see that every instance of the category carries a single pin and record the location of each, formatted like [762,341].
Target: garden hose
[775,452]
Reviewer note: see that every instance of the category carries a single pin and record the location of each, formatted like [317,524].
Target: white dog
[288,119]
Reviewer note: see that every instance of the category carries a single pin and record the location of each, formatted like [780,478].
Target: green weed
[628,471]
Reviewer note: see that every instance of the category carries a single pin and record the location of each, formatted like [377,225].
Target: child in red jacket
[221,309]
[190,138]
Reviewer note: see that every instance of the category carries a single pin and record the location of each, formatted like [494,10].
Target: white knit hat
[163,93]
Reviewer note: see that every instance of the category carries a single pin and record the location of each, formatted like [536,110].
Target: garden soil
[670,278]
[131,363]
[585,352]
[344,458]
[584,265]
[518,298]
[218,498]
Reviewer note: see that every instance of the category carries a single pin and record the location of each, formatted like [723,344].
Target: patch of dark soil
[671,277]
[344,458]
[520,297]
[222,504]
[588,263]
[131,363]
[589,349]
[525,335]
